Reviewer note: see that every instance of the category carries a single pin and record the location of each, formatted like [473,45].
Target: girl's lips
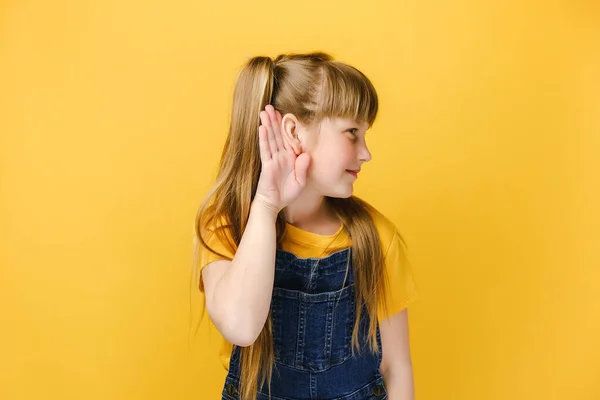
[353,173]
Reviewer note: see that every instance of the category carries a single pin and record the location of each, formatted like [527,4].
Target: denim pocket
[312,331]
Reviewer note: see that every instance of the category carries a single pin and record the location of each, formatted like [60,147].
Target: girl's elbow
[243,341]
[235,330]
[241,336]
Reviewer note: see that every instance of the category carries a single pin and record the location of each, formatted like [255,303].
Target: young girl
[307,284]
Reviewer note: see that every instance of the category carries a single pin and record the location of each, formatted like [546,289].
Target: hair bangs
[347,93]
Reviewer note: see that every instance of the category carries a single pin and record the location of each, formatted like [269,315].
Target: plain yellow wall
[112,118]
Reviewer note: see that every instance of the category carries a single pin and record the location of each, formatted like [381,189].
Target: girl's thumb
[300,168]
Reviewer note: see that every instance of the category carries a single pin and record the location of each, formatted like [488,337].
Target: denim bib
[313,317]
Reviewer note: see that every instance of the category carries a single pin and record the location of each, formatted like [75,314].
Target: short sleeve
[401,289]
[214,241]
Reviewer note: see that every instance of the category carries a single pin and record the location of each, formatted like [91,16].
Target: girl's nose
[365,154]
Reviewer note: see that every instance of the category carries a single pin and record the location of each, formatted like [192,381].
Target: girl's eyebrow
[356,126]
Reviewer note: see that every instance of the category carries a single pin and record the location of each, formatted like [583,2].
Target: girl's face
[337,149]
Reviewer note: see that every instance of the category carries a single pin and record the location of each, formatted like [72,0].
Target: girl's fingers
[266,123]
[275,124]
[265,151]
[301,168]
[271,133]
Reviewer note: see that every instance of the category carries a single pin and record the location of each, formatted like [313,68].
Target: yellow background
[112,118]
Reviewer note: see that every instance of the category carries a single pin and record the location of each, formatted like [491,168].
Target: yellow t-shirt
[401,290]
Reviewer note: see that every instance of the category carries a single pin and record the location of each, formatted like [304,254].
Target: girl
[306,283]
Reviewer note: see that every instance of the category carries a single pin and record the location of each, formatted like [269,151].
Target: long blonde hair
[311,86]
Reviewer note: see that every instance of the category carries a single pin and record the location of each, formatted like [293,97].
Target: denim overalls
[313,318]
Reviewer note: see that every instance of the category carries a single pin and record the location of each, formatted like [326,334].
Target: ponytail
[253,91]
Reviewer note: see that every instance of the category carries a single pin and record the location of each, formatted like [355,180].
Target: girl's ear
[290,127]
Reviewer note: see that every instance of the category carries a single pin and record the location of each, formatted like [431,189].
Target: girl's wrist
[264,208]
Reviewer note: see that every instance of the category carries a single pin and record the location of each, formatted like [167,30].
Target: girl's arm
[396,365]
[238,292]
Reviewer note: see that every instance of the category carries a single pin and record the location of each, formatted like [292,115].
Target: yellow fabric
[401,290]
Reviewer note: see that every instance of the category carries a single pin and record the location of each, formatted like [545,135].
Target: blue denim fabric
[313,317]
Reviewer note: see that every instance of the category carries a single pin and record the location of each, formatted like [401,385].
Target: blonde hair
[312,87]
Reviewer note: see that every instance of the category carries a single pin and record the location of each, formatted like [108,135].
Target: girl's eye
[352,132]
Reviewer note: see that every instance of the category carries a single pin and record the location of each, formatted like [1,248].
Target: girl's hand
[283,174]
